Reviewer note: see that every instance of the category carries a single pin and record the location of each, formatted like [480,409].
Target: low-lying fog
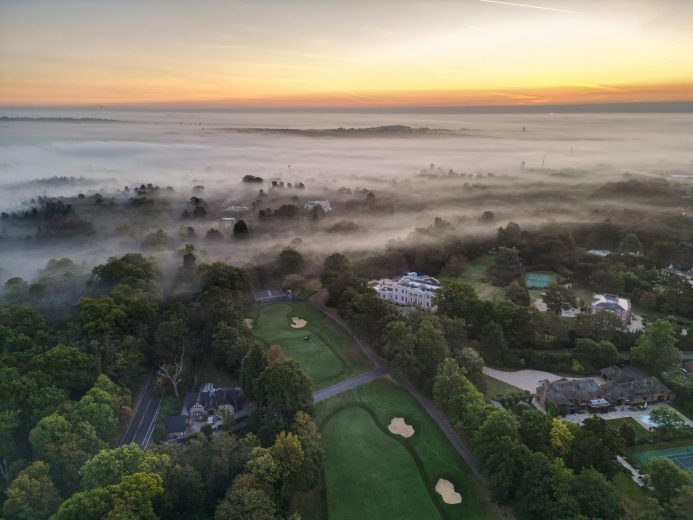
[543,168]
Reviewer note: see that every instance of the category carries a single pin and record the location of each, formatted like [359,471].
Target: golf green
[327,357]
[371,473]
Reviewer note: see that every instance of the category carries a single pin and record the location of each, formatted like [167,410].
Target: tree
[31,495]
[496,425]
[245,500]
[667,479]
[462,403]
[507,267]
[630,244]
[67,366]
[473,365]
[492,343]
[110,466]
[628,433]
[173,373]
[559,298]
[230,344]
[457,300]
[252,366]
[308,434]
[430,349]
[281,391]
[560,439]
[596,497]
[602,325]
[65,446]
[240,229]
[656,348]
[544,490]
[517,294]
[130,498]
[596,355]
[666,420]
[596,444]
[535,430]
[289,261]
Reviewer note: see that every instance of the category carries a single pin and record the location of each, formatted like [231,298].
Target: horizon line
[682,106]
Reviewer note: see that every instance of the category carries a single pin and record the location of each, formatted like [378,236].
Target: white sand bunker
[298,323]
[446,490]
[399,427]
[248,322]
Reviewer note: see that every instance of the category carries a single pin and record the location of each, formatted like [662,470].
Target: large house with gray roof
[412,290]
[611,303]
[622,387]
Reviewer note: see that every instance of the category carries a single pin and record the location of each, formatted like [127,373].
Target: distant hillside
[380,131]
[6,119]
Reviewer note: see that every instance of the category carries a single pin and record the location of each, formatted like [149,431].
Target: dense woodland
[77,340]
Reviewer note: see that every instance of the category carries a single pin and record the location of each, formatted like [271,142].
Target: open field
[496,387]
[474,276]
[370,473]
[328,357]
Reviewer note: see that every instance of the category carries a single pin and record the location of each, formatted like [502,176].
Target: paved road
[348,384]
[141,427]
[382,368]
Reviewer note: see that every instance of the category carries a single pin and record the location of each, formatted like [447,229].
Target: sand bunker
[298,323]
[399,427]
[248,322]
[446,490]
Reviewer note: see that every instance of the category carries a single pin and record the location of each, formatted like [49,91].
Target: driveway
[529,380]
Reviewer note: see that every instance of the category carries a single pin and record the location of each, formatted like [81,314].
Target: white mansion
[412,290]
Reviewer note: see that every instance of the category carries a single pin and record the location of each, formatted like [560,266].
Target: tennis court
[682,457]
[540,280]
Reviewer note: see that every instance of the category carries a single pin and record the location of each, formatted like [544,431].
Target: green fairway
[328,357]
[371,473]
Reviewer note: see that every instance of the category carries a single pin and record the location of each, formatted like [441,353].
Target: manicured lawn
[474,276]
[640,431]
[328,357]
[496,387]
[371,473]
[632,497]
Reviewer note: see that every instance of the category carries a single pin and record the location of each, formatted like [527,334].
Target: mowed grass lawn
[330,355]
[474,276]
[640,431]
[496,387]
[370,473]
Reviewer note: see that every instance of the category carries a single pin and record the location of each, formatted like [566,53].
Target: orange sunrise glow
[330,55]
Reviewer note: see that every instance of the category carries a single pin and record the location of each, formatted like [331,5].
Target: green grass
[640,431]
[496,387]
[632,497]
[475,276]
[328,357]
[373,474]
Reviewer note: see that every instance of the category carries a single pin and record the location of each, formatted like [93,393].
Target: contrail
[530,6]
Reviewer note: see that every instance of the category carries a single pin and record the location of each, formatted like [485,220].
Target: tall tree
[31,495]
[656,348]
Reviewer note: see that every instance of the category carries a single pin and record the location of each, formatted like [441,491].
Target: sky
[355,54]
